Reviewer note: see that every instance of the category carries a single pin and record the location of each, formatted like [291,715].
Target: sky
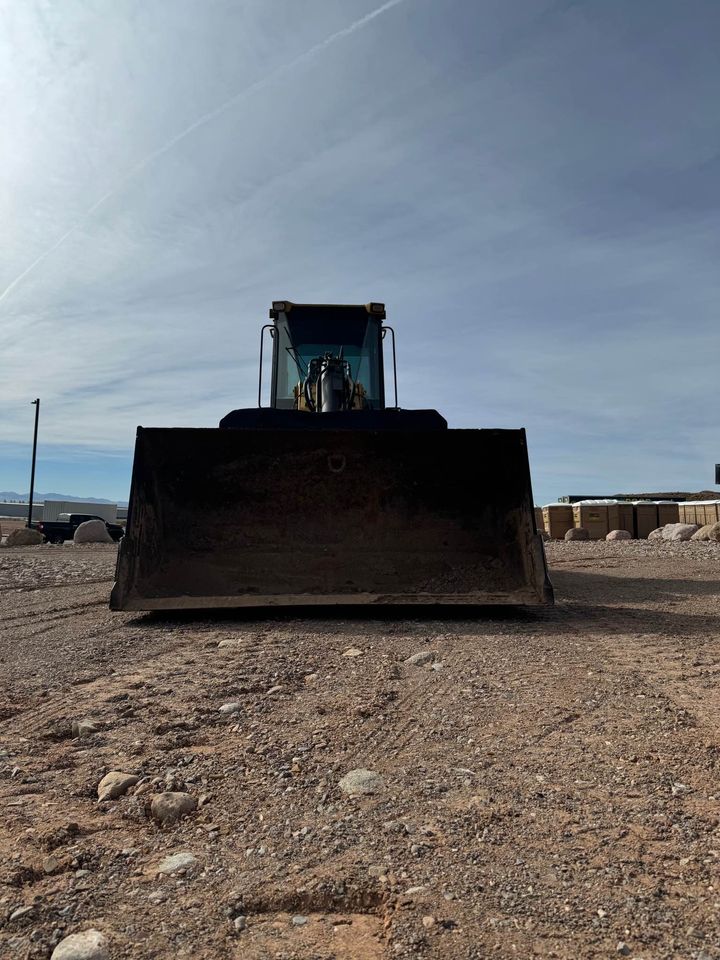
[531,187]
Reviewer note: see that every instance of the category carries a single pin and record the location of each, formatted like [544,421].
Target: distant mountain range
[39,497]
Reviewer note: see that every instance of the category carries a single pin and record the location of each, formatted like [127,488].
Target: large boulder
[656,534]
[711,531]
[92,531]
[679,531]
[24,537]
[703,533]
[619,535]
[577,533]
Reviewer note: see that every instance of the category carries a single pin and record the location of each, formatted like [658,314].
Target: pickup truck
[62,529]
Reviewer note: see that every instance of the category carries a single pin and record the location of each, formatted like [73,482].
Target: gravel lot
[549,780]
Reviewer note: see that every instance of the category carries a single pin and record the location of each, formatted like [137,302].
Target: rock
[623,949]
[230,708]
[86,727]
[21,912]
[714,533]
[232,643]
[240,923]
[276,689]
[89,945]
[428,922]
[24,537]
[679,531]
[577,533]
[619,535]
[421,658]
[92,531]
[299,921]
[656,534]
[178,861]
[711,531]
[361,781]
[167,808]
[353,652]
[52,865]
[115,784]
[703,532]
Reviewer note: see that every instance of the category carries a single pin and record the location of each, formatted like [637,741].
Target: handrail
[267,326]
[385,328]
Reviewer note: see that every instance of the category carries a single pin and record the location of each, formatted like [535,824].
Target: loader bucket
[247,518]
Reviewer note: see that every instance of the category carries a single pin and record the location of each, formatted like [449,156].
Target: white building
[15,509]
[53,508]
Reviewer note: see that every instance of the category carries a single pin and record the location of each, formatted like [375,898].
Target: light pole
[32,471]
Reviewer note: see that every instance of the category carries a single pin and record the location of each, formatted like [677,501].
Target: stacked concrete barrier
[686,510]
[646,518]
[621,516]
[592,515]
[668,512]
[710,512]
[558,519]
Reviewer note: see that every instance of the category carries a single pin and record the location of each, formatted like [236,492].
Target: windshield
[306,333]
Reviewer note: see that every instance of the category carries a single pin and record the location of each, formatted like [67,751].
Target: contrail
[205,118]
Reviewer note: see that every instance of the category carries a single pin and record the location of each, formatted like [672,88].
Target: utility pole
[36,404]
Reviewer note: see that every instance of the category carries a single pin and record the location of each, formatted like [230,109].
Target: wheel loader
[326,494]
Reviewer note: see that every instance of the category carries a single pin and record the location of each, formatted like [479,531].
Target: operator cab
[327,357]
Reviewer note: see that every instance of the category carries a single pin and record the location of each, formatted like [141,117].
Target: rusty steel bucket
[273,517]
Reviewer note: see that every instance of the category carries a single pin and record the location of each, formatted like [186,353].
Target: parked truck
[62,529]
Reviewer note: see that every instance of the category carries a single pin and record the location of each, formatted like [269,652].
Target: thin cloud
[237,98]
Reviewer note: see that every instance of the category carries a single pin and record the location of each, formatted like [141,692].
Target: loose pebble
[421,658]
[85,728]
[115,784]
[177,861]
[88,945]
[167,808]
[21,912]
[361,781]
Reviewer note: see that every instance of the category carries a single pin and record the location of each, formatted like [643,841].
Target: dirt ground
[550,780]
